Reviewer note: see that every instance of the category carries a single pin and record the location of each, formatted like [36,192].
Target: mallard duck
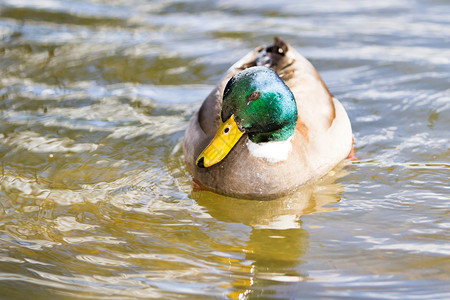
[269,127]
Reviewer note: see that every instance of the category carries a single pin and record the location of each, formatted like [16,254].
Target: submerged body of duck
[268,127]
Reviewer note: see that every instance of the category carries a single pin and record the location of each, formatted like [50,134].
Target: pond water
[95,201]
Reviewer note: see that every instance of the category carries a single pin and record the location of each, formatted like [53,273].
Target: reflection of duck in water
[277,242]
[270,126]
[281,213]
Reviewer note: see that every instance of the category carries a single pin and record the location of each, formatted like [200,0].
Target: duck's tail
[271,56]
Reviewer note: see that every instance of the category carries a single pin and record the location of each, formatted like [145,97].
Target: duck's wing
[315,103]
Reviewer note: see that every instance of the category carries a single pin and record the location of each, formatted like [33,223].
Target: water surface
[95,201]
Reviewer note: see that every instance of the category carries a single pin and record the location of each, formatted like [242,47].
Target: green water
[95,201]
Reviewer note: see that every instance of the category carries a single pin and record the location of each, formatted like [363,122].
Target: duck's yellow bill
[226,137]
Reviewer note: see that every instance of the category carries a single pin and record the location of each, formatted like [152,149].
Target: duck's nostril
[201,162]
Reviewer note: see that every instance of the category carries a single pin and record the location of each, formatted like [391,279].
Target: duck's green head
[255,101]
[262,105]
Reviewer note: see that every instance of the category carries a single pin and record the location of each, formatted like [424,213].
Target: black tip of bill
[201,162]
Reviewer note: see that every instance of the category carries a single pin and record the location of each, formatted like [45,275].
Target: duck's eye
[254,96]
[226,130]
